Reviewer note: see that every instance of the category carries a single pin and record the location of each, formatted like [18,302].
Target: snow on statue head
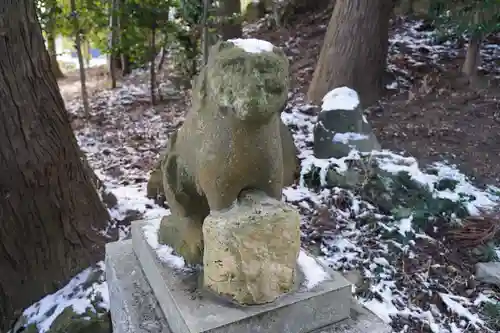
[248,77]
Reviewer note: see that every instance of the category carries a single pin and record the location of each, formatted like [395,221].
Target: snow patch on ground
[314,274]
[132,198]
[73,295]
[482,199]
[348,245]
[164,252]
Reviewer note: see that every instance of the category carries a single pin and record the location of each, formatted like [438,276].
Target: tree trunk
[409,8]
[78,47]
[230,14]
[436,7]
[152,66]
[206,5]
[113,16]
[354,51]
[87,56]
[51,217]
[51,44]
[163,57]
[51,40]
[473,55]
[126,64]
[288,12]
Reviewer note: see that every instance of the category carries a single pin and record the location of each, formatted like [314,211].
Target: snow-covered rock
[81,306]
[342,126]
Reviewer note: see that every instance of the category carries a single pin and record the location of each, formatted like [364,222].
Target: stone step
[134,308]
[190,310]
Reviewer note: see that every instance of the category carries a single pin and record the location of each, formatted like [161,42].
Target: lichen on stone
[250,84]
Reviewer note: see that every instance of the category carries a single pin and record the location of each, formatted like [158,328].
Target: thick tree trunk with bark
[354,51]
[230,14]
[50,214]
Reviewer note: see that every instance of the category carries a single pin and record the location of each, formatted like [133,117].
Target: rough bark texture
[50,214]
[230,11]
[354,50]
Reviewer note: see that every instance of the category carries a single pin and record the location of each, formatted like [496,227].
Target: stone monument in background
[228,257]
[341,126]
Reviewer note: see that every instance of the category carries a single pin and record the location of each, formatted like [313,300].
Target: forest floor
[425,285]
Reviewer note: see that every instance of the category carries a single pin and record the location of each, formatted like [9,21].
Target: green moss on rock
[70,322]
[394,194]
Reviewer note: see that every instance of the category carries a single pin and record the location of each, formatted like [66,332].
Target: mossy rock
[395,194]
[95,319]
[70,322]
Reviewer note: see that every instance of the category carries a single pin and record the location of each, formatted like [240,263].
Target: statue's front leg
[183,228]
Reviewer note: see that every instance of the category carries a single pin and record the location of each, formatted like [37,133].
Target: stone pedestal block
[135,308]
[189,309]
[251,250]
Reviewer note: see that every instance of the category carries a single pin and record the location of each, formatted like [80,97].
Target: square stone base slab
[189,310]
[134,308]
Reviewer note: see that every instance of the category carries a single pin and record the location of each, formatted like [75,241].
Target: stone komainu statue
[232,140]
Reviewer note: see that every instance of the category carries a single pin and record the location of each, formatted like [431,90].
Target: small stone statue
[227,164]
[232,139]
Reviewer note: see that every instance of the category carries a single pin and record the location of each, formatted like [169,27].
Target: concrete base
[188,309]
[135,310]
